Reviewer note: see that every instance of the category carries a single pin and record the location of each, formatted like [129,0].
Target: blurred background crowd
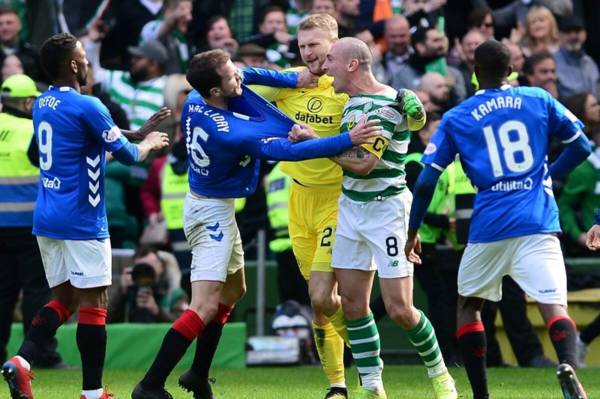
[139,49]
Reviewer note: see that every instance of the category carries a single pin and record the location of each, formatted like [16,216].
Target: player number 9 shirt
[73,131]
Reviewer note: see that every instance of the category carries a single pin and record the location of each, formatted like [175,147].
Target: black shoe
[199,386]
[569,384]
[141,392]
[336,393]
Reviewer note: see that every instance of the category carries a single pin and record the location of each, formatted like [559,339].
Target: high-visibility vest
[427,233]
[277,190]
[459,186]
[19,179]
[173,189]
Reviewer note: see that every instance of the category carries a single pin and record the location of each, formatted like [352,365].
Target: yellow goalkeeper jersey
[321,108]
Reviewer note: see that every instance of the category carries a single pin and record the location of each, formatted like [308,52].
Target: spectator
[435,86]
[431,48]
[423,13]
[540,71]
[467,47]
[481,19]
[144,80]
[298,9]
[93,88]
[146,288]
[122,226]
[425,100]
[252,55]
[541,32]
[586,108]
[517,59]
[168,175]
[514,14]
[22,268]
[171,29]
[346,12]
[218,35]
[579,200]
[397,38]
[323,7]
[10,43]
[377,66]
[11,65]
[273,36]
[575,70]
[131,16]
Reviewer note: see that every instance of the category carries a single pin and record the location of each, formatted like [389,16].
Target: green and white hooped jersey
[388,176]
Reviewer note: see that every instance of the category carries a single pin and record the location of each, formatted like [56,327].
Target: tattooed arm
[357,160]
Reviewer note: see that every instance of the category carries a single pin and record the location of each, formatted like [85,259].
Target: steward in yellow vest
[22,268]
[19,178]
[278,190]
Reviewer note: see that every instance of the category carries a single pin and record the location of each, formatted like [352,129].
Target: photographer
[146,288]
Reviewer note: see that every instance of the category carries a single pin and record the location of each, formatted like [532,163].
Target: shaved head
[351,48]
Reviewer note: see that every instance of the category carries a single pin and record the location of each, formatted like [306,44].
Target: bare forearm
[356,160]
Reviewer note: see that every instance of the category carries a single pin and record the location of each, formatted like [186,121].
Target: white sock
[372,381]
[93,394]
[339,385]
[24,362]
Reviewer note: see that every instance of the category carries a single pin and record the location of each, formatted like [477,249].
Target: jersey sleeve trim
[436,166]
[573,138]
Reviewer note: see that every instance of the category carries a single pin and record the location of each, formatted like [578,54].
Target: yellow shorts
[313,216]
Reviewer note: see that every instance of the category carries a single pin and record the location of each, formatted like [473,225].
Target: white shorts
[371,236]
[535,262]
[84,263]
[211,230]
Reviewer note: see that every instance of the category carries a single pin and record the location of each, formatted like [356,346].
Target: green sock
[365,346]
[423,338]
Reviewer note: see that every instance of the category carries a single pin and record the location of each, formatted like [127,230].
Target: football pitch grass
[408,382]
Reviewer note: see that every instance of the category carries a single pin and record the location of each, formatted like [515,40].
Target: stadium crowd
[139,52]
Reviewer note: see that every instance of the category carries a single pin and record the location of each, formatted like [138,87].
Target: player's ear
[29,103]
[73,66]
[215,92]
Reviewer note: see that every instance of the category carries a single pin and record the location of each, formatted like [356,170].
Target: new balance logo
[94,183]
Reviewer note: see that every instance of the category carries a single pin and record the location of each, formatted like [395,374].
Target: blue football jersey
[502,137]
[73,131]
[219,163]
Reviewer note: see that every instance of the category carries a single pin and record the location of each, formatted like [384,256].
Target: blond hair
[539,11]
[324,22]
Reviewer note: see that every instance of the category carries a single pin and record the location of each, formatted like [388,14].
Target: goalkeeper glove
[409,104]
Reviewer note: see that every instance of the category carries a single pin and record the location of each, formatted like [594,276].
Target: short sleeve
[562,122]
[101,126]
[440,151]
[377,147]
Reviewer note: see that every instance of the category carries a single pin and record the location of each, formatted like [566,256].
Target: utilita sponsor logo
[513,185]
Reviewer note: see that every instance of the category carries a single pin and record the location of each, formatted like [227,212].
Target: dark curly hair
[56,52]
